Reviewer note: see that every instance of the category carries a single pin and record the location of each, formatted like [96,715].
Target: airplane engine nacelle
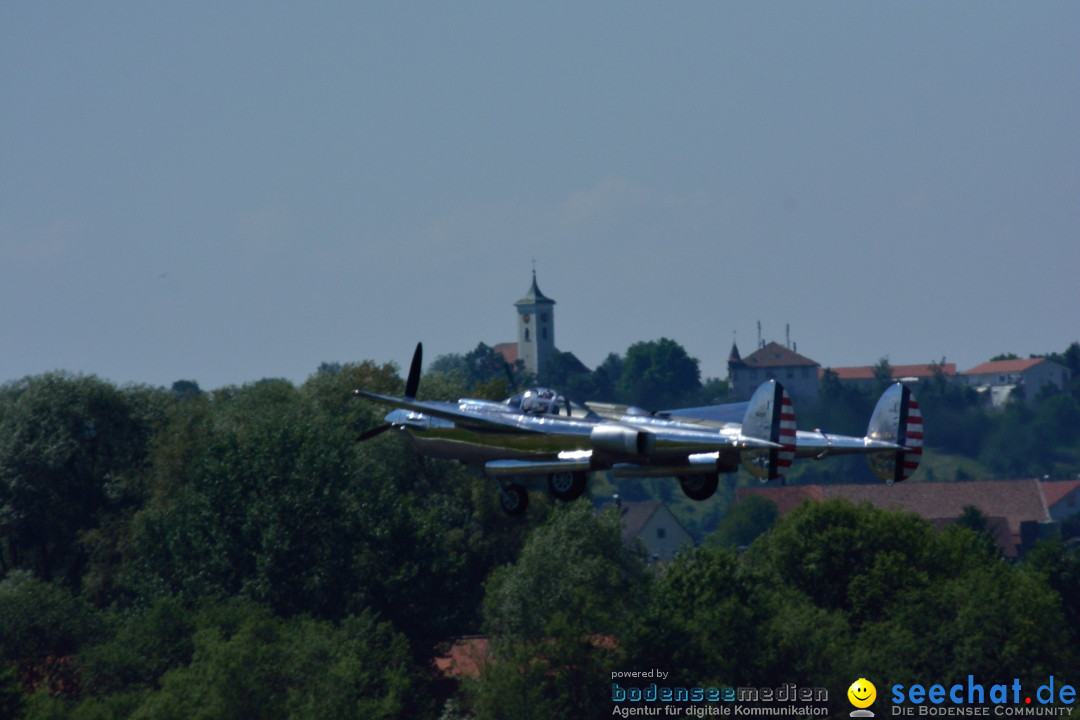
[621,441]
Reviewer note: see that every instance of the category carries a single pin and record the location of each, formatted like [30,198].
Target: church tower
[536,329]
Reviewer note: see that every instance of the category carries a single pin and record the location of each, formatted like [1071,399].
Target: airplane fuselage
[513,435]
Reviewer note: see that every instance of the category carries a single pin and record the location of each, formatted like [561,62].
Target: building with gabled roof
[998,378]
[773,361]
[654,525]
[1062,498]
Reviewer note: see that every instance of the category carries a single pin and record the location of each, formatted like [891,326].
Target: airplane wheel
[514,499]
[699,487]
[567,485]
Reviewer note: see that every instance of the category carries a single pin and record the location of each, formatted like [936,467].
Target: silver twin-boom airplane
[539,434]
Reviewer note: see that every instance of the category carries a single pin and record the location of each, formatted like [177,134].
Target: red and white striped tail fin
[769,416]
[913,437]
[897,420]
[786,431]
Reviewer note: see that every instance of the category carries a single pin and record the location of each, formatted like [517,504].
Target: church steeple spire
[534,296]
[536,328]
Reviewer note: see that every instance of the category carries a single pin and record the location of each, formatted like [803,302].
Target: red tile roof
[866,372]
[1055,491]
[1015,500]
[786,498]
[468,655]
[1004,366]
[509,351]
[998,527]
[466,658]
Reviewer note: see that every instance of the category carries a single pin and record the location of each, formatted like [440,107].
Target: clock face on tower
[525,317]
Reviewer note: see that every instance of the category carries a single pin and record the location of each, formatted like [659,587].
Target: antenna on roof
[787,334]
[759,343]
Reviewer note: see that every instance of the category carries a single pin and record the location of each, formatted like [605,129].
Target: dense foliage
[178,553]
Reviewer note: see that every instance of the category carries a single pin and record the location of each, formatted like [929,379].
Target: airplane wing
[712,414]
[614,411]
[491,422]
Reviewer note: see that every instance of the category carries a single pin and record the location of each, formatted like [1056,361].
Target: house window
[526,334]
[661,533]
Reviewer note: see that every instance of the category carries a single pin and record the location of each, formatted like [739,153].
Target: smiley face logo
[862,693]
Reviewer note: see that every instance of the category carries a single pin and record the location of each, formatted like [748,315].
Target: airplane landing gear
[699,487]
[567,485]
[513,498]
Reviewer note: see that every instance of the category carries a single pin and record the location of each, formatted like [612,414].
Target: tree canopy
[177,552]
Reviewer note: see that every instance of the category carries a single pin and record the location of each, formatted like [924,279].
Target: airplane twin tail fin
[770,417]
[897,420]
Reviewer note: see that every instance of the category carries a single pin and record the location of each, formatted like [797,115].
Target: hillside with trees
[235,553]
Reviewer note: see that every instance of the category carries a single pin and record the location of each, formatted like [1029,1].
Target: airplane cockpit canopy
[545,401]
[540,401]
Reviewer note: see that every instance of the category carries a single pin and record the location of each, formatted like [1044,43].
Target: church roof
[509,351]
[534,296]
[776,355]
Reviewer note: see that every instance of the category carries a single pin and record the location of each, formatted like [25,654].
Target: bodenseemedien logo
[862,694]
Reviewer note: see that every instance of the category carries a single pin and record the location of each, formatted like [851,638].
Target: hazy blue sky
[228,191]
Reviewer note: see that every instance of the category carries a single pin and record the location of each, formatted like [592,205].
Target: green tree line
[654,375]
[235,553]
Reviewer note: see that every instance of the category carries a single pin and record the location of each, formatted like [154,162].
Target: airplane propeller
[412,383]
